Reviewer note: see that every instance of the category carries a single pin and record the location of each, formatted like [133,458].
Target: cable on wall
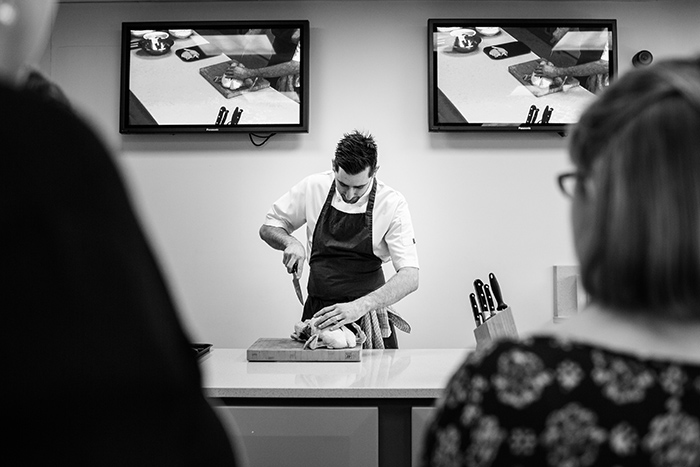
[265,138]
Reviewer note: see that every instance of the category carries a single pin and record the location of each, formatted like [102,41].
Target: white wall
[480,202]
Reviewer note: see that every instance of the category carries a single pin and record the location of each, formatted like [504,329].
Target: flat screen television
[214,76]
[516,74]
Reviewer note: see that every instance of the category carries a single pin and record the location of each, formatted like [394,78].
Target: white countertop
[403,373]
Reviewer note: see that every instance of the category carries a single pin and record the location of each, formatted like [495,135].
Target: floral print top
[549,402]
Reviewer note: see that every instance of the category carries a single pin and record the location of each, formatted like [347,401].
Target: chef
[354,223]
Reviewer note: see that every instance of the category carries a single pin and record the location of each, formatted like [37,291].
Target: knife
[497,294]
[483,306]
[546,115]
[297,287]
[221,118]
[253,85]
[236,116]
[531,114]
[475,309]
[489,299]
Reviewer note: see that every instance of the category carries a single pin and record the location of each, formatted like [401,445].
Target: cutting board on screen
[272,349]
[212,73]
[523,71]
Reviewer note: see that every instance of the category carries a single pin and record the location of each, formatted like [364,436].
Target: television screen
[514,75]
[216,76]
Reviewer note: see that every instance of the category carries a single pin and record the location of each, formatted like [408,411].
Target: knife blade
[297,287]
[497,294]
[489,299]
[253,85]
[481,297]
[475,309]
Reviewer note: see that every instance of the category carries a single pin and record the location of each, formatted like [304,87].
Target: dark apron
[343,266]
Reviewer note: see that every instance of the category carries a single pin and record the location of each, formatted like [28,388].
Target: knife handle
[479,289]
[236,116]
[497,294]
[489,299]
[221,117]
[546,114]
[475,309]
[528,120]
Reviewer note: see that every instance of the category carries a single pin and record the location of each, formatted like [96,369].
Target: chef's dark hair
[638,150]
[355,152]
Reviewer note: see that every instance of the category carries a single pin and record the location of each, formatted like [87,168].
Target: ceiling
[198,1]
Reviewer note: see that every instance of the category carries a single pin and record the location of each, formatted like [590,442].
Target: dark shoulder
[548,350]
[537,358]
[47,137]
[508,355]
[545,357]
[38,114]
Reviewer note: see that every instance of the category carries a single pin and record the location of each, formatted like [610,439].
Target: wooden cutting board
[523,71]
[272,349]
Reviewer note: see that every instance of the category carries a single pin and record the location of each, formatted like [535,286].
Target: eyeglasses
[569,181]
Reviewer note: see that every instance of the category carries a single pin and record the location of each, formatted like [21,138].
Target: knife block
[498,326]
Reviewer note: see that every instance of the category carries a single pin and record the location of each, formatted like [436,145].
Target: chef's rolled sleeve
[400,238]
[289,211]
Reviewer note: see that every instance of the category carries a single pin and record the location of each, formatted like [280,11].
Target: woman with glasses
[619,384]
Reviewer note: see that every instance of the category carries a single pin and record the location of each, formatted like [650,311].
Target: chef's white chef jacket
[392,230]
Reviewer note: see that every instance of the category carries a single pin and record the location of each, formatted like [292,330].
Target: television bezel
[562,128]
[125,127]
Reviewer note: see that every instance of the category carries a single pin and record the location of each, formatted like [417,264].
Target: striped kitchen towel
[375,325]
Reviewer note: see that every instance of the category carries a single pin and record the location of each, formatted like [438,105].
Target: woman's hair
[638,147]
[355,152]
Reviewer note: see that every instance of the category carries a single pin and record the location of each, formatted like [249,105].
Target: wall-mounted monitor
[516,74]
[214,76]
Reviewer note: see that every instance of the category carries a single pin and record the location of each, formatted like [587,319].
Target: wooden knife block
[498,326]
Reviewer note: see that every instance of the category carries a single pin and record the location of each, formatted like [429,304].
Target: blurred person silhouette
[618,384]
[98,369]
[37,82]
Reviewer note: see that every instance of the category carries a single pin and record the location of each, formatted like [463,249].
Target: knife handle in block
[497,294]
[475,309]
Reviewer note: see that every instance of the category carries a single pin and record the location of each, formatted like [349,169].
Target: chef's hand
[293,258]
[545,68]
[336,316]
[238,71]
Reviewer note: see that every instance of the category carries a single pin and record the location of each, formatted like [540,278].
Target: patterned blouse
[548,402]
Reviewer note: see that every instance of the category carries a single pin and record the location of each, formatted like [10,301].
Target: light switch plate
[569,296]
